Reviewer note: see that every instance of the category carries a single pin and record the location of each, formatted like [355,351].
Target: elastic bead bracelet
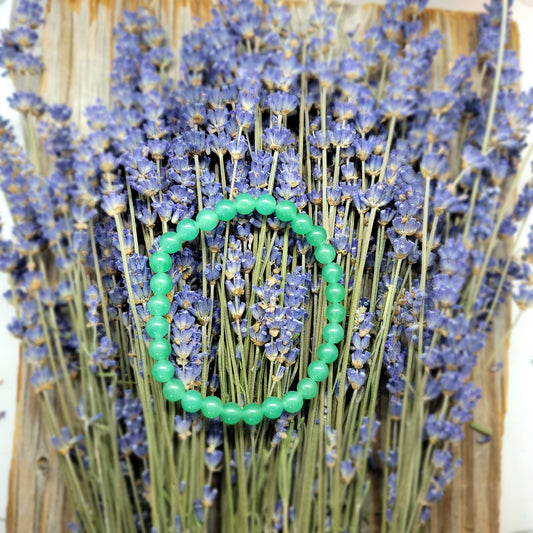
[159,305]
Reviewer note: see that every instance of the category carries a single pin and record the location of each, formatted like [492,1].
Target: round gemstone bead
[245,203]
[163,370]
[173,390]
[286,210]
[292,401]
[328,352]
[335,293]
[332,272]
[318,370]
[225,210]
[272,407]
[157,327]
[302,223]
[307,388]
[159,349]
[188,229]
[161,283]
[316,236]
[192,401]
[170,242]
[325,253]
[207,220]
[265,204]
[160,262]
[252,414]
[335,312]
[333,333]
[158,305]
[231,413]
[212,407]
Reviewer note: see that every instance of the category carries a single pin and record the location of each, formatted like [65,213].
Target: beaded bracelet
[159,305]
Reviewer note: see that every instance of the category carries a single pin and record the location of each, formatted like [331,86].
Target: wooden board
[77,52]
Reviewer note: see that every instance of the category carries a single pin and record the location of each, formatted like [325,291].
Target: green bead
[252,414]
[333,333]
[173,390]
[207,220]
[318,370]
[272,407]
[225,210]
[163,370]
[328,352]
[231,413]
[158,305]
[286,210]
[325,253]
[159,349]
[187,229]
[302,223]
[332,273]
[335,312]
[265,204]
[307,388]
[212,407]
[316,236]
[170,242]
[335,293]
[157,327]
[245,203]
[160,262]
[161,283]
[192,401]
[292,401]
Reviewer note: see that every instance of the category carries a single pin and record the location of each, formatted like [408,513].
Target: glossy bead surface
[158,305]
[231,413]
[173,390]
[192,401]
[225,210]
[187,229]
[161,283]
[160,262]
[157,327]
[159,349]
[212,407]
[335,293]
[333,333]
[252,414]
[265,204]
[245,203]
[170,242]
[332,273]
[325,253]
[328,352]
[272,407]
[163,371]
[307,388]
[292,401]
[318,370]
[286,210]
[335,313]
[302,223]
[316,236]
[207,220]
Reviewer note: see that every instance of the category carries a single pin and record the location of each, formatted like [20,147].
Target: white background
[517,482]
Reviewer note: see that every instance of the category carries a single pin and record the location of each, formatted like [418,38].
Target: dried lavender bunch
[414,187]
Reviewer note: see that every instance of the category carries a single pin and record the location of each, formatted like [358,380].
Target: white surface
[10,346]
[517,482]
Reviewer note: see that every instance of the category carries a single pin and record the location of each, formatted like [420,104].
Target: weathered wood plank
[77,51]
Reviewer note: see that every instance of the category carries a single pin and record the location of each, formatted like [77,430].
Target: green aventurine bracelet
[159,305]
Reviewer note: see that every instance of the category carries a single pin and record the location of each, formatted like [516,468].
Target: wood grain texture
[77,52]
